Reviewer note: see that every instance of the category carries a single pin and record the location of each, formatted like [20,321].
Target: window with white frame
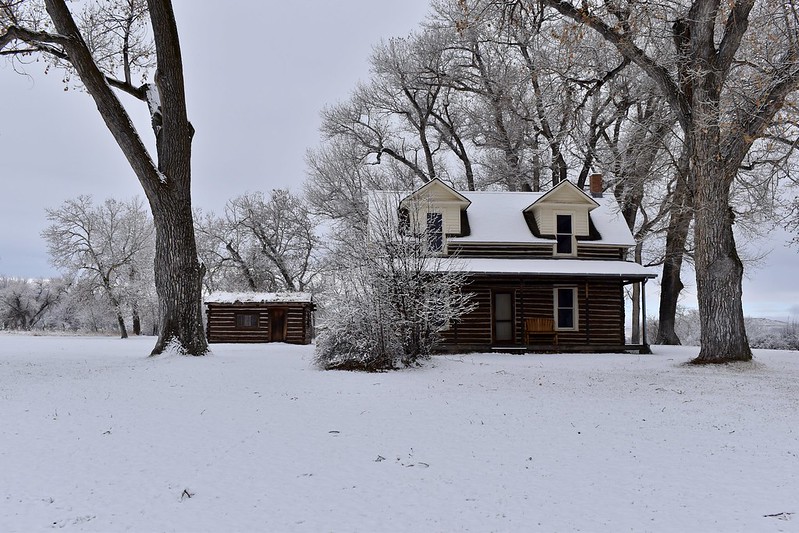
[566,308]
[564,233]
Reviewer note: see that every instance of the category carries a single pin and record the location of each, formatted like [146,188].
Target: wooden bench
[536,328]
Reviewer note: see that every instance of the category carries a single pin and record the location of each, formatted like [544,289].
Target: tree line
[688,107]
[104,254]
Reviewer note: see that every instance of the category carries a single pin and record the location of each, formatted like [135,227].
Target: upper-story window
[435,232]
[564,235]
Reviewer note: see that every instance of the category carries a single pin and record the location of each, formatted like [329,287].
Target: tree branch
[137,92]
[40,41]
[631,51]
[109,106]
[735,27]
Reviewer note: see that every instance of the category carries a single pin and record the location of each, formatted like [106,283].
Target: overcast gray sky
[258,73]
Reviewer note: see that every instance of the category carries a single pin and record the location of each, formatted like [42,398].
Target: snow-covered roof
[221,297]
[560,267]
[498,217]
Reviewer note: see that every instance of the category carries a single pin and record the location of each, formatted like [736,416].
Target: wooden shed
[259,317]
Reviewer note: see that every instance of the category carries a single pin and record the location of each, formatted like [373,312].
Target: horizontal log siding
[600,318]
[587,251]
[529,251]
[221,326]
[500,250]
[474,328]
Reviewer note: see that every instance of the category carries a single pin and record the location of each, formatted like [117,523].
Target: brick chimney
[596,185]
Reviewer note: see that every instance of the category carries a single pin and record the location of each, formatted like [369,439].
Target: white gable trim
[436,183]
[557,190]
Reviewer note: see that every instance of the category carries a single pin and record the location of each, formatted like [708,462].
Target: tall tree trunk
[719,274]
[178,277]
[681,214]
[178,273]
[719,271]
[123,331]
[136,319]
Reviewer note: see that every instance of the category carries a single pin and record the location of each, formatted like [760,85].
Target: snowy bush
[25,304]
[388,300]
[774,336]
[762,333]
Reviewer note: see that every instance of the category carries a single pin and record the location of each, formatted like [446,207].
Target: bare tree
[24,304]
[106,246]
[261,244]
[166,180]
[731,68]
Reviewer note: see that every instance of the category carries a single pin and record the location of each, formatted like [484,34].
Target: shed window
[564,234]
[247,320]
[566,308]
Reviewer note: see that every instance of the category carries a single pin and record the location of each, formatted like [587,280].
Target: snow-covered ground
[94,436]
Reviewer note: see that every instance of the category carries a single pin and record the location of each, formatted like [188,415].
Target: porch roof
[544,267]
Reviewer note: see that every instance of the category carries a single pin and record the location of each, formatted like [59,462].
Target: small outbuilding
[259,317]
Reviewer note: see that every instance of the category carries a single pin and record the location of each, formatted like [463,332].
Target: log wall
[531,251]
[221,322]
[600,312]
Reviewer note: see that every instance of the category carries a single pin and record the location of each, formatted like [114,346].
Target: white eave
[545,267]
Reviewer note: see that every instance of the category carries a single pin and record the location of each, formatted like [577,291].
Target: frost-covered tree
[260,244]
[387,299]
[105,46]
[108,247]
[24,304]
[726,69]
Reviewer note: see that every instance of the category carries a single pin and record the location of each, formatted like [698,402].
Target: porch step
[509,349]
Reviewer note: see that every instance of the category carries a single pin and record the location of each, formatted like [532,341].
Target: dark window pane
[247,321]
[566,298]
[404,221]
[564,244]
[502,306]
[435,234]
[565,318]
[564,224]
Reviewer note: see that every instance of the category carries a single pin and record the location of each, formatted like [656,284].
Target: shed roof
[221,297]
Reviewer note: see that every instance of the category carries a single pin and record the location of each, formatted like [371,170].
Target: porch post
[645,345]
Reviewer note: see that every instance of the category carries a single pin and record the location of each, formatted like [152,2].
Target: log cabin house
[259,317]
[546,270]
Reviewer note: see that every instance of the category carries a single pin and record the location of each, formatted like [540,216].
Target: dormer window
[564,235]
[435,232]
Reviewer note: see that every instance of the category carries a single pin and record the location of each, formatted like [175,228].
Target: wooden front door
[277,325]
